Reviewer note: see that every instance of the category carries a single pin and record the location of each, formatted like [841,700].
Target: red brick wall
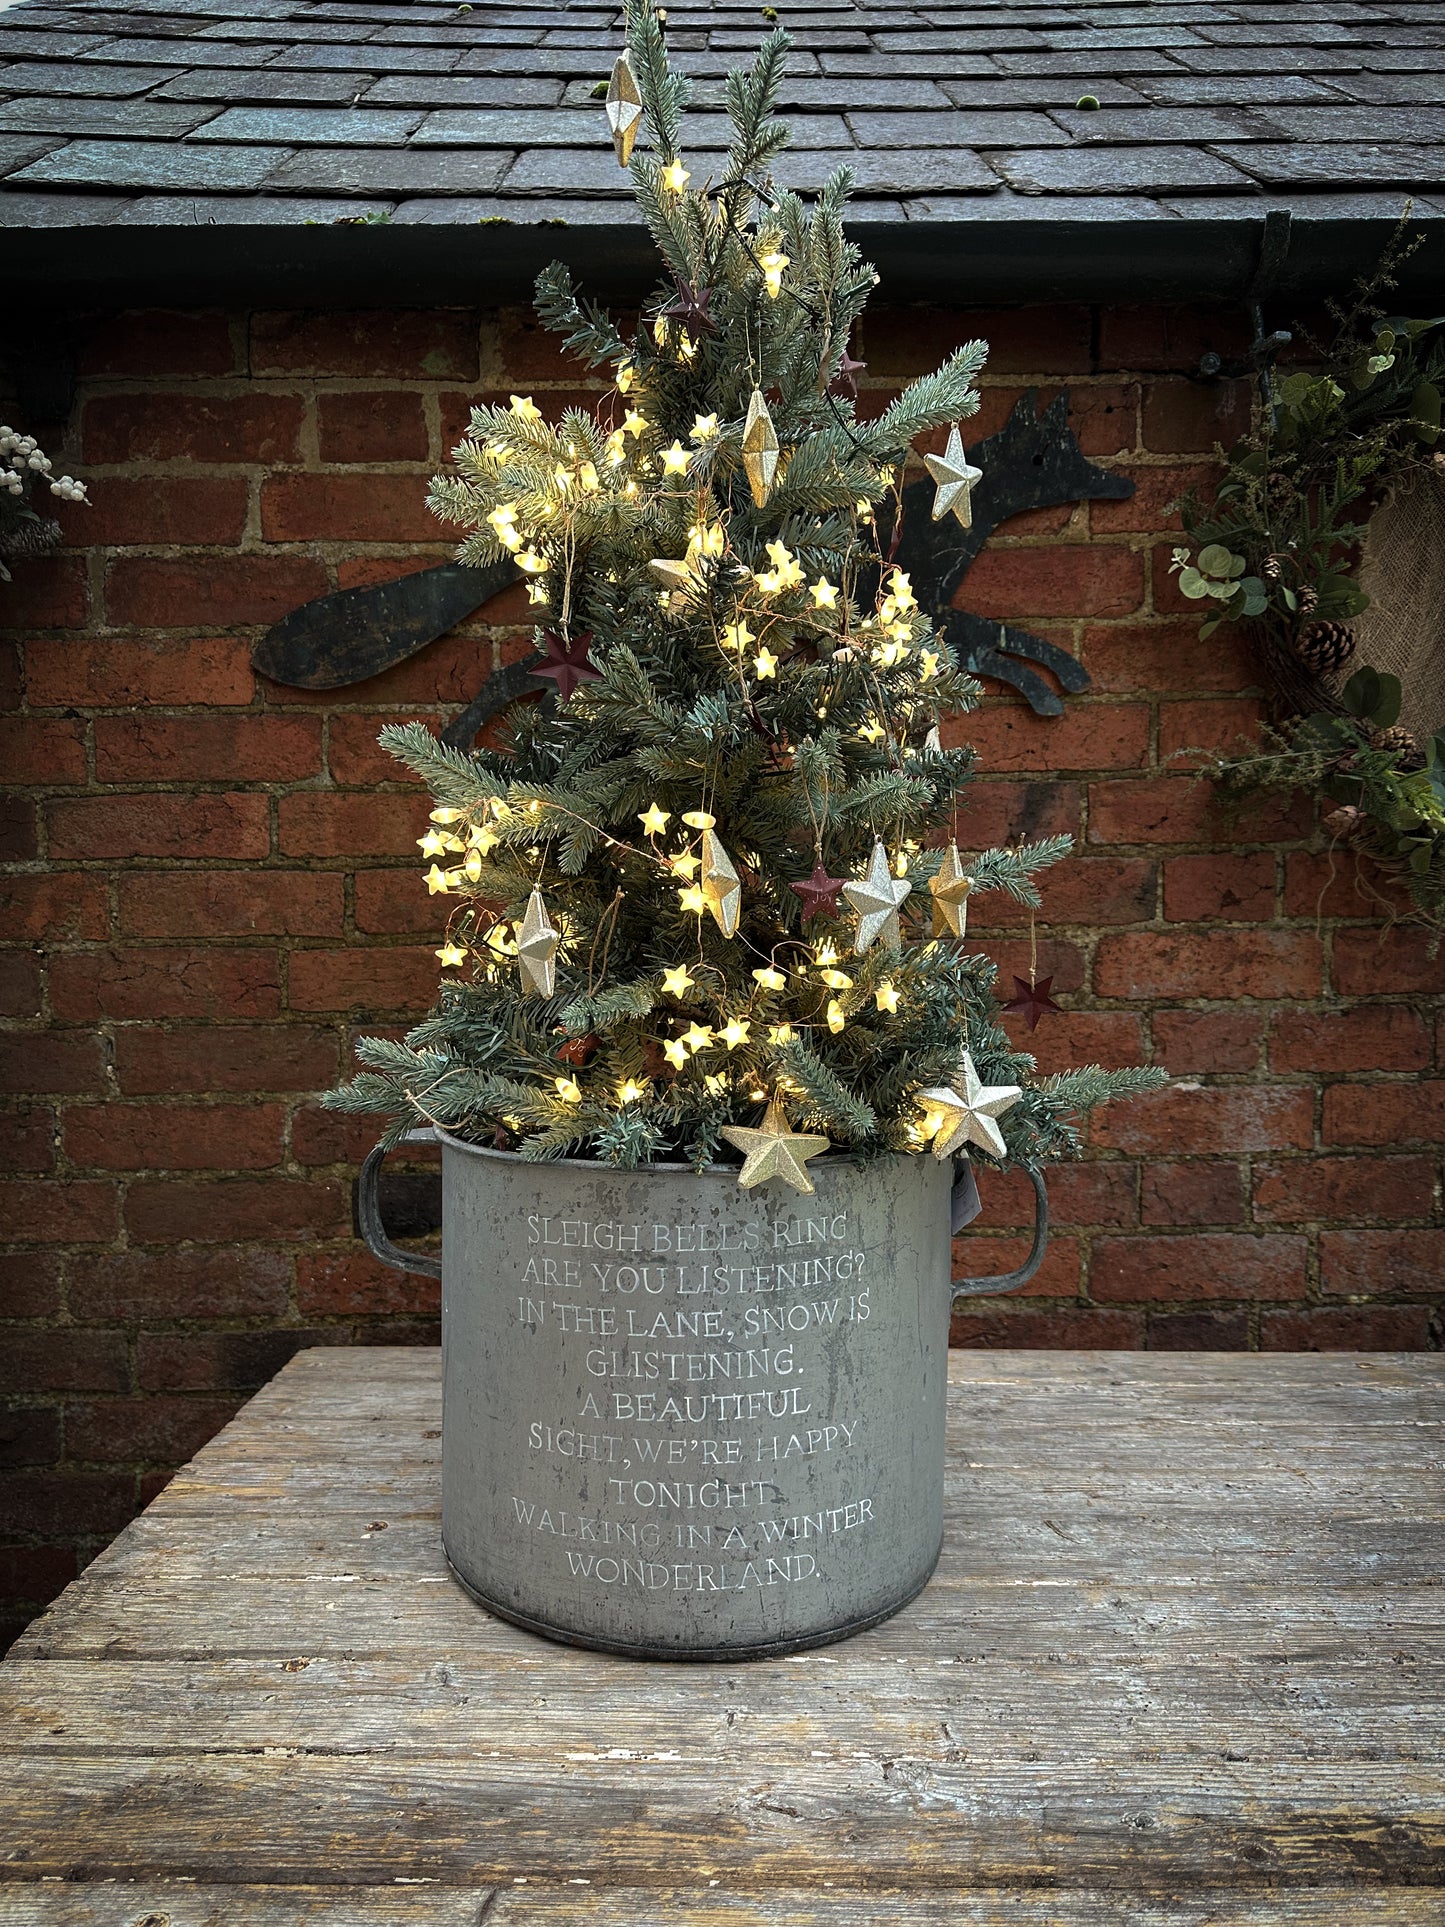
[215,885]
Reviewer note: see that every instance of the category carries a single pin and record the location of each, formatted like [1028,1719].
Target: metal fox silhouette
[1033,461]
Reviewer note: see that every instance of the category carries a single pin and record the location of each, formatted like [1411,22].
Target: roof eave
[1223,252]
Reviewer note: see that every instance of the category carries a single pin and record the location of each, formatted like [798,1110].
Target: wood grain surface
[1182,1663]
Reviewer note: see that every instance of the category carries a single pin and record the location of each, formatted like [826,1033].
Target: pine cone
[1282,486]
[1325,647]
[1407,751]
[1307,602]
[32,536]
[1269,568]
[1343,821]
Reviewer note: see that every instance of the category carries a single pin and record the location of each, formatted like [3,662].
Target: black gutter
[494,263]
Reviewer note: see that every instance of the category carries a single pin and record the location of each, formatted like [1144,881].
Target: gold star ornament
[721,890]
[760,448]
[955,479]
[771,1150]
[955,1117]
[537,947]
[624,109]
[950,891]
[876,899]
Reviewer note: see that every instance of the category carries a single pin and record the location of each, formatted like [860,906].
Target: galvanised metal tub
[686,1421]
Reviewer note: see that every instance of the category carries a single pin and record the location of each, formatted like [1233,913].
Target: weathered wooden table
[1181,1663]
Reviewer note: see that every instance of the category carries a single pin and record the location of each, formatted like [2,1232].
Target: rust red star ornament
[565,661]
[818,893]
[1031,1001]
[690,306]
[847,375]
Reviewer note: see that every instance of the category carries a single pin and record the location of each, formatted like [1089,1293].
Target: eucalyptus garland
[1277,549]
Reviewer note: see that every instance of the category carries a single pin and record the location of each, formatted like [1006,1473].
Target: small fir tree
[710,881]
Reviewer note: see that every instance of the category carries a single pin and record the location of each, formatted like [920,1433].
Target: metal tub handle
[1009,1280]
[368,1213]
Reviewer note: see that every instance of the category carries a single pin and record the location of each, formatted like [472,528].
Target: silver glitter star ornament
[537,947]
[966,1116]
[876,899]
[624,109]
[773,1151]
[955,479]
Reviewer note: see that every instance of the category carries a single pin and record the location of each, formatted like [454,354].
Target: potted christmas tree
[711,1036]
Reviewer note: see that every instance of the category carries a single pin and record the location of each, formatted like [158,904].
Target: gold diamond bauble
[721,890]
[966,1116]
[771,1150]
[624,109]
[760,448]
[537,947]
[876,899]
[955,479]
[949,889]
[677,576]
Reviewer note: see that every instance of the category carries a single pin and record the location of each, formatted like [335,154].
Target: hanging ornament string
[1032,1000]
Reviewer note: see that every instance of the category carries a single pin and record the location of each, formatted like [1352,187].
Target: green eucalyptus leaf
[1192,584]
[1339,596]
[1411,326]
[1288,597]
[1215,559]
[1361,693]
[1388,703]
[1425,412]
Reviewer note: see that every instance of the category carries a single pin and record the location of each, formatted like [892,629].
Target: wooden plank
[552,1704]
[529,1904]
[870,1820]
[581,1903]
[1185,1634]
[1021,1621]
[985,1538]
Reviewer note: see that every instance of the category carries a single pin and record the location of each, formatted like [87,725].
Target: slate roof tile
[1085,60]
[1426,88]
[17,149]
[153,164]
[1128,126]
[1007,205]
[314,126]
[387,172]
[1348,166]
[1041,91]
[124,120]
[267,112]
[59,46]
[466,90]
[369,57]
[240,210]
[50,78]
[1117,170]
[229,84]
[957,128]
[1238,90]
[178,52]
[42,210]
